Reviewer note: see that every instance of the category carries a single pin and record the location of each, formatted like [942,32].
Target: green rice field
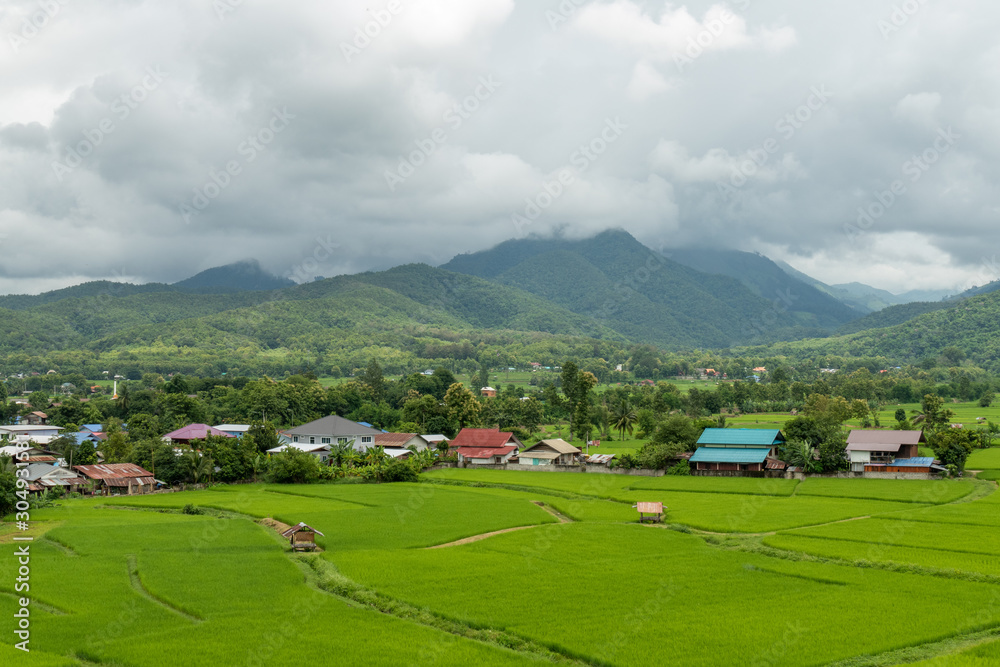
[509,567]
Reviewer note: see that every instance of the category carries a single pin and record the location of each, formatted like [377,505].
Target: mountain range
[542,295]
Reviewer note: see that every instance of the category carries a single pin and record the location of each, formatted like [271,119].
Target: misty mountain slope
[893,315]
[765,278]
[245,276]
[619,281]
[972,325]
[983,289]
[98,290]
[478,302]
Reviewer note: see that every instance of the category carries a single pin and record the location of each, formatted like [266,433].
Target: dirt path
[476,538]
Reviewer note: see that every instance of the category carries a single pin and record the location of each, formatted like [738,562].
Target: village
[720,452]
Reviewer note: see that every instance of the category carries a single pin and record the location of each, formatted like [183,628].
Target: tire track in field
[133,575]
[477,538]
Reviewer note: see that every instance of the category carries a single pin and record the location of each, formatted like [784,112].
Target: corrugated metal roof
[602,459]
[482,437]
[485,452]
[873,447]
[741,437]
[915,462]
[114,471]
[556,444]
[865,436]
[727,455]
[299,528]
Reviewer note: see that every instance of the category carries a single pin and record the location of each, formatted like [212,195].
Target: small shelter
[302,537]
[653,510]
[119,478]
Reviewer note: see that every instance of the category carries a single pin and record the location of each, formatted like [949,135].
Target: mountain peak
[243,276]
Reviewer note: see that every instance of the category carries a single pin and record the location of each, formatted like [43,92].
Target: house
[42,476]
[320,451]
[550,452]
[330,430]
[486,455]
[37,433]
[37,419]
[302,537]
[488,392]
[26,453]
[235,430]
[736,450]
[192,432]
[400,441]
[434,440]
[483,437]
[119,477]
[871,450]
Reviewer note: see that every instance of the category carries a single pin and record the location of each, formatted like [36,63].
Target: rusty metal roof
[649,508]
[300,528]
[105,471]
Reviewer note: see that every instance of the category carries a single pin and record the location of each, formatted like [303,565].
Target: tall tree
[374,380]
[624,418]
[463,408]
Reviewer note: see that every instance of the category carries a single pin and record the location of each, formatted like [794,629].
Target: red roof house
[483,437]
[191,432]
[486,455]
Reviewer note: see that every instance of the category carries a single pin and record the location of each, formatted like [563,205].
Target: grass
[984,459]
[130,580]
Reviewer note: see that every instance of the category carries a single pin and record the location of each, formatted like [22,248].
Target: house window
[366,439]
[295,438]
[324,441]
[312,440]
[341,441]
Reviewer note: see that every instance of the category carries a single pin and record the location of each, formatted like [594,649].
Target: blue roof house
[736,450]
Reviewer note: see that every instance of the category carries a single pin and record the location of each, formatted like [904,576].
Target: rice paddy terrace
[529,568]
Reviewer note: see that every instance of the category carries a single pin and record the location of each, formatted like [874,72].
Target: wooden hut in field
[653,510]
[302,537]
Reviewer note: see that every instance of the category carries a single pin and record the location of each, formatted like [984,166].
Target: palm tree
[625,419]
[198,465]
[341,453]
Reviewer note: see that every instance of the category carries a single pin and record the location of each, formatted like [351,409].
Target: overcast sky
[151,140]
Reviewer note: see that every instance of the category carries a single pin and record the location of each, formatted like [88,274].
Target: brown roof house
[550,452]
[868,447]
[400,441]
[119,478]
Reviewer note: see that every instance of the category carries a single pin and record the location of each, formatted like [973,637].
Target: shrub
[400,471]
[191,509]
[625,461]
[681,468]
[292,466]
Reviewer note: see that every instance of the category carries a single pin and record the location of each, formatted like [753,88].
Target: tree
[986,400]
[625,419]
[463,408]
[581,413]
[39,400]
[800,453]
[197,464]
[953,446]
[374,380]
[935,415]
[293,466]
[263,436]
[8,486]
[677,429]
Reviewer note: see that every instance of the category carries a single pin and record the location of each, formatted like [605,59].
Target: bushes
[292,466]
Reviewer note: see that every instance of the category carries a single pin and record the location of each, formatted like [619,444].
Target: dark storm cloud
[323,138]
